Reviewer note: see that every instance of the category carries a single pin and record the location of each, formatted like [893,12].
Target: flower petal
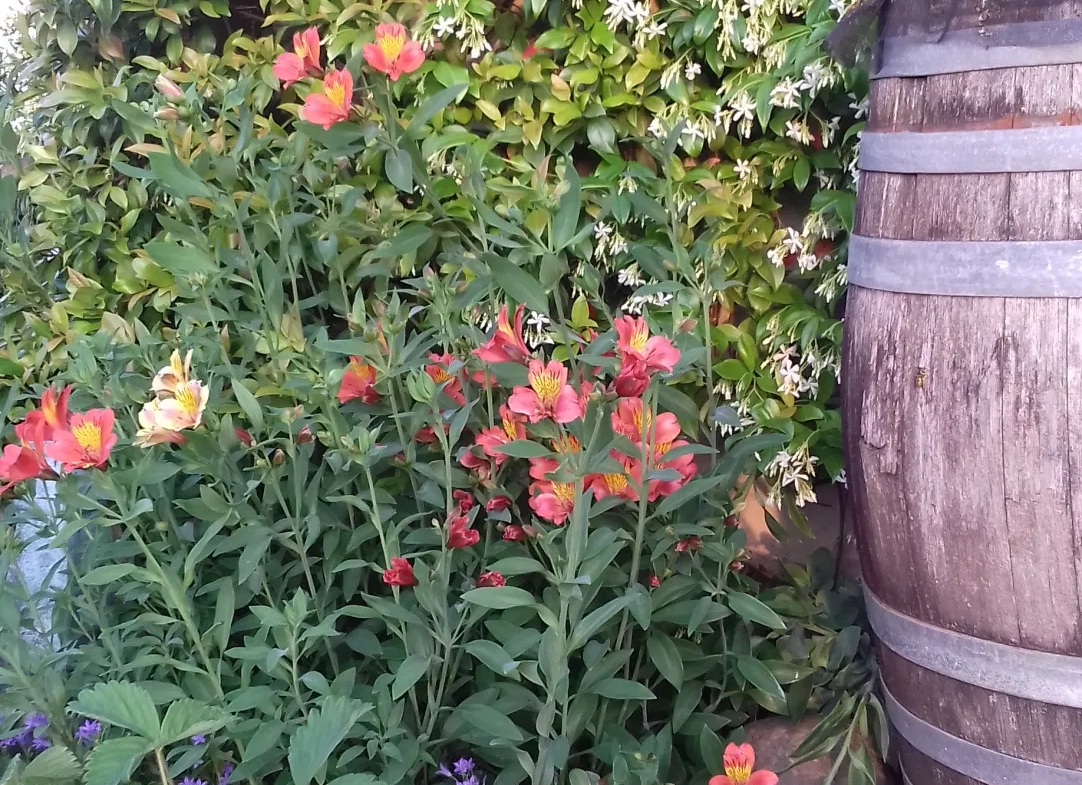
[763,778]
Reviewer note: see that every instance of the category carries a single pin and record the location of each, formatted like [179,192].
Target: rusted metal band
[1024,673]
[965,757]
[1051,268]
[1017,45]
[1056,148]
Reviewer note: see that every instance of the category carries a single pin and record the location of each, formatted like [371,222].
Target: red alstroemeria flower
[304,59]
[463,500]
[54,409]
[498,504]
[627,421]
[506,344]
[739,763]
[619,484]
[510,429]
[358,381]
[549,395]
[654,581]
[553,501]
[392,53]
[333,104]
[634,343]
[25,460]
[632,380]
[514,533]
[426,434]
[688,544]
[87,444]
[480,465]
[459,533]
[439,373]
[244,437]
[400,573]
[685,464]
[490,579]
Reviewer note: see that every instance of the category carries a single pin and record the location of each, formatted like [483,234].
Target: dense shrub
[306,545]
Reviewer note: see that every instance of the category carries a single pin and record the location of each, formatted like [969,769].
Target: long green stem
[163,769]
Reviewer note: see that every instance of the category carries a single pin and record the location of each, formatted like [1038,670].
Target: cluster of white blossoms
[453,19]
[608,242]
[792,469]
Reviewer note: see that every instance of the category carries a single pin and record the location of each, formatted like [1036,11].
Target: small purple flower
[191,781]
[198,739]
[35,720]
[471,780]
[443,771]
[227,772]
[88,732]
[10,743]
[463,766]
[40,743]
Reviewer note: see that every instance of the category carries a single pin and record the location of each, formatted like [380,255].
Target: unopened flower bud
[278,457]
[168,113]
[110,47]
[304,436]
[244,437]
[421,386]
[168,88]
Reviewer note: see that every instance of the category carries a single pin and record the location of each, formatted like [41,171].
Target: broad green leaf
[523,448]
[408,240]
[178,178]
[180,259]
[493,656]
[186,718]
[499,597]
[409,673]
[313,743]
[751,609]
[121,704]
[666,658]
[248,403]
[516,565]
[710,749]
[491,721]
[759,675]
[56,764]
[108,573]
[399,168]
[567,216]
[519,284]
[595,620]
[622,689]
[112,761]
[436,104]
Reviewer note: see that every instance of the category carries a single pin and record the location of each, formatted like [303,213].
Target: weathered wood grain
[964,448]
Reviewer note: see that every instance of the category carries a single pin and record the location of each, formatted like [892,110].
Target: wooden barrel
[963,396]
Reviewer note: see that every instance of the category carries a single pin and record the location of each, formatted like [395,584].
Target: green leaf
[523,448]
[493,656]
[436,104]
[622,689]
[313,743]
[751,609]
[759,675]
[121,704]
[248,403]
[186,718]
[595,620]
[801,173]
[56,764]
[488,720]
[180,259]
[399,169]
[499,597]
[710,749]
[567,216]
[519,284]
[666,658]
[516,565]
[406,241]
[178,178]
[112,762]
[409,673]
[109,573]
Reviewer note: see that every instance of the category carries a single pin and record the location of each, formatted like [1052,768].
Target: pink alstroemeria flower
[548,396]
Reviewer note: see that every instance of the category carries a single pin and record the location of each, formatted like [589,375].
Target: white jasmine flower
[602,230]
[652,30]
[444,26]
[691,70]
[798,130]
[743,106]
[743,168]
[786,93]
